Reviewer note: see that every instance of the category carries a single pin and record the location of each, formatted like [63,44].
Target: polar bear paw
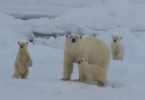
[65,79]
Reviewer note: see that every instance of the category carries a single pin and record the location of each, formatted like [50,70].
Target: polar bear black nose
[114,40]
[73,40]
[79,62]
[21,46]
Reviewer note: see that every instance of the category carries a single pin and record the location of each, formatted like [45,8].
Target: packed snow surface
[126,78]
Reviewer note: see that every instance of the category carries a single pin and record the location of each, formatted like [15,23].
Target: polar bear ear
[18,42]
[112,35]
[80,37]
[26,42]
[121,37]
[66,36]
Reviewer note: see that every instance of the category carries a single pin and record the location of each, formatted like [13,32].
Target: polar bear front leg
[17,72]
[29,62]
[82,77]
[68,67]
[122,57]
[89,79]
[113,55]
[67,71]
[118,56]
[24,75]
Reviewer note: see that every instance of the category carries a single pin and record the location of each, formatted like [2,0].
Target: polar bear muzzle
[73,40]
[22,44]
[79,62]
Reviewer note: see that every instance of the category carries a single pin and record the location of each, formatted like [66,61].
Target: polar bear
[117,48]
[91,48]
[23,61]
[91,72]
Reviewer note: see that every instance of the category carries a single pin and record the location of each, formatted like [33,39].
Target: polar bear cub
[117,48]
[91,72]
[23,61]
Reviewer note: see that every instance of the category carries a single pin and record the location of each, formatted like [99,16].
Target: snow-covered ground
[90,17]
[126,78]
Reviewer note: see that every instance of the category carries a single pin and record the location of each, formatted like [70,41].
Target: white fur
[23,61]
[91,72]
[117,48]
[91,48]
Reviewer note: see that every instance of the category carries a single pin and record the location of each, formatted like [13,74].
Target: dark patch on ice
[48,35]
[31,40]
[32,16]
[38,35]
[117,84]
[59,92]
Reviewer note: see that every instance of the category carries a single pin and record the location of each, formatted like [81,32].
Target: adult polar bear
[91,48]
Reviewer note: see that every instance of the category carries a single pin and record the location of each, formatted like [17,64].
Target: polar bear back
[101,52]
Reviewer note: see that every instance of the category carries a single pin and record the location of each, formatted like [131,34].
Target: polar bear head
[23,45]
[82,61]
[73,38]
[116,38]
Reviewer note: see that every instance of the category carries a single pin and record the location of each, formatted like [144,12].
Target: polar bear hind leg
[17,73]
[24,75]
[102,81]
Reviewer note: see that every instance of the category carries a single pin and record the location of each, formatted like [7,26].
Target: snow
[134,48]
[101,18]
[90,18]
[41,8]
[126,78]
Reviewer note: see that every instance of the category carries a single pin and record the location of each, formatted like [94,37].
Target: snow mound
[57,43]
[134,49]
[126,79]
[86,20]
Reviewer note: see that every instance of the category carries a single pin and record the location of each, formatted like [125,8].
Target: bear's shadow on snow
[116,84]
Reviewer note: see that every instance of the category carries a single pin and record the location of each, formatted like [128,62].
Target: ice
[86,19]
[57,43]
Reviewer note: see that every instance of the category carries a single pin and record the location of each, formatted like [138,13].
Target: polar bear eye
[70,36]
[76,37]
[117,38]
